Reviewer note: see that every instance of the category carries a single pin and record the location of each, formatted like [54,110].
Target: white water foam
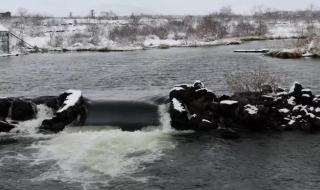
[30,127]
[90,156]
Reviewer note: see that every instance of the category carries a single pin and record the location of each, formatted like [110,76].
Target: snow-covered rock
[72,98]
[250,109]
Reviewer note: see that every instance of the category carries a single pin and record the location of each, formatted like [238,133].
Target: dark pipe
[127,115]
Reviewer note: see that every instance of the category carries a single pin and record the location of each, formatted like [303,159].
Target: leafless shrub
[124,33]
[134,20]
[95,32]
[130,33]
[209,27]
[243,29]
[252,80]
[161,32]
[261,28]
[78,37]
[56,40]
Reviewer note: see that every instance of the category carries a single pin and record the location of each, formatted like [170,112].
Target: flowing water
[104,157]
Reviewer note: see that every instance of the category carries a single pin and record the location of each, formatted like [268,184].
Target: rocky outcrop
[5,127]
[22,110]
[285,53]
[194,107]
[71,109]
[197,108]
[68,108]
[15,110]
[5,104]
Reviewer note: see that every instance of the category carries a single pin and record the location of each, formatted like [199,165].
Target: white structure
[4,40]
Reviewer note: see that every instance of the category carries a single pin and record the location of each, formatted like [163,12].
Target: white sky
[172,7]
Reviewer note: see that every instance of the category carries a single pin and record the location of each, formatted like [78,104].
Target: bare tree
[134,20]
[259,16]
[92,13]
[21,25]
[22,12]
[226,10]
[108,15]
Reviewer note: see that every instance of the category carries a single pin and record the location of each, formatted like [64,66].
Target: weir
[128,115]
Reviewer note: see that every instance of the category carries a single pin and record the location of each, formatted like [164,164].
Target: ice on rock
[71,100]
[291,101]
[291,122]
[252,110]
[284,110]
[206,121]
[306,95]
[177,105]
[177,88]
[282,94]
[228,102]
[198,84]
[306,90]
[299,107]
[311,115]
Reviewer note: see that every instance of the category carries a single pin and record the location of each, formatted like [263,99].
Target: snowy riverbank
[129,34]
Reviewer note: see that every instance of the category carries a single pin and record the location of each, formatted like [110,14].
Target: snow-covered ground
[58,34]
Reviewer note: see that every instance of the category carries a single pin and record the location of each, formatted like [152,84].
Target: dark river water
[157,157]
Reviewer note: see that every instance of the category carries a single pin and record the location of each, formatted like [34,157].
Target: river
[157,157]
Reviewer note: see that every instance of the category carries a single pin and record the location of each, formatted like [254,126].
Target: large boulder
[189,107]
[5,104]
[22,110]
[306,99]
[266,89]
[250,116]
[5,127]
[285,53]
[296,90]
[229,108]
[72,110]
[50,101]
[316,101]
[179,115]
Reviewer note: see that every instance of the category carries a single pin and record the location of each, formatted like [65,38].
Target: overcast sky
[125,7]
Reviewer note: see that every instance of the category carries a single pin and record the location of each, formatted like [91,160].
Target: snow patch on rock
[71,100]
[291,101]
[228,102]
[284,110]
[177,105]
[252,110]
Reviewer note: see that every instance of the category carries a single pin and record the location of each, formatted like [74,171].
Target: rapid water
[104,157]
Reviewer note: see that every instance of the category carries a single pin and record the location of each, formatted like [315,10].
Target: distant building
[5,15]
[4,40]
